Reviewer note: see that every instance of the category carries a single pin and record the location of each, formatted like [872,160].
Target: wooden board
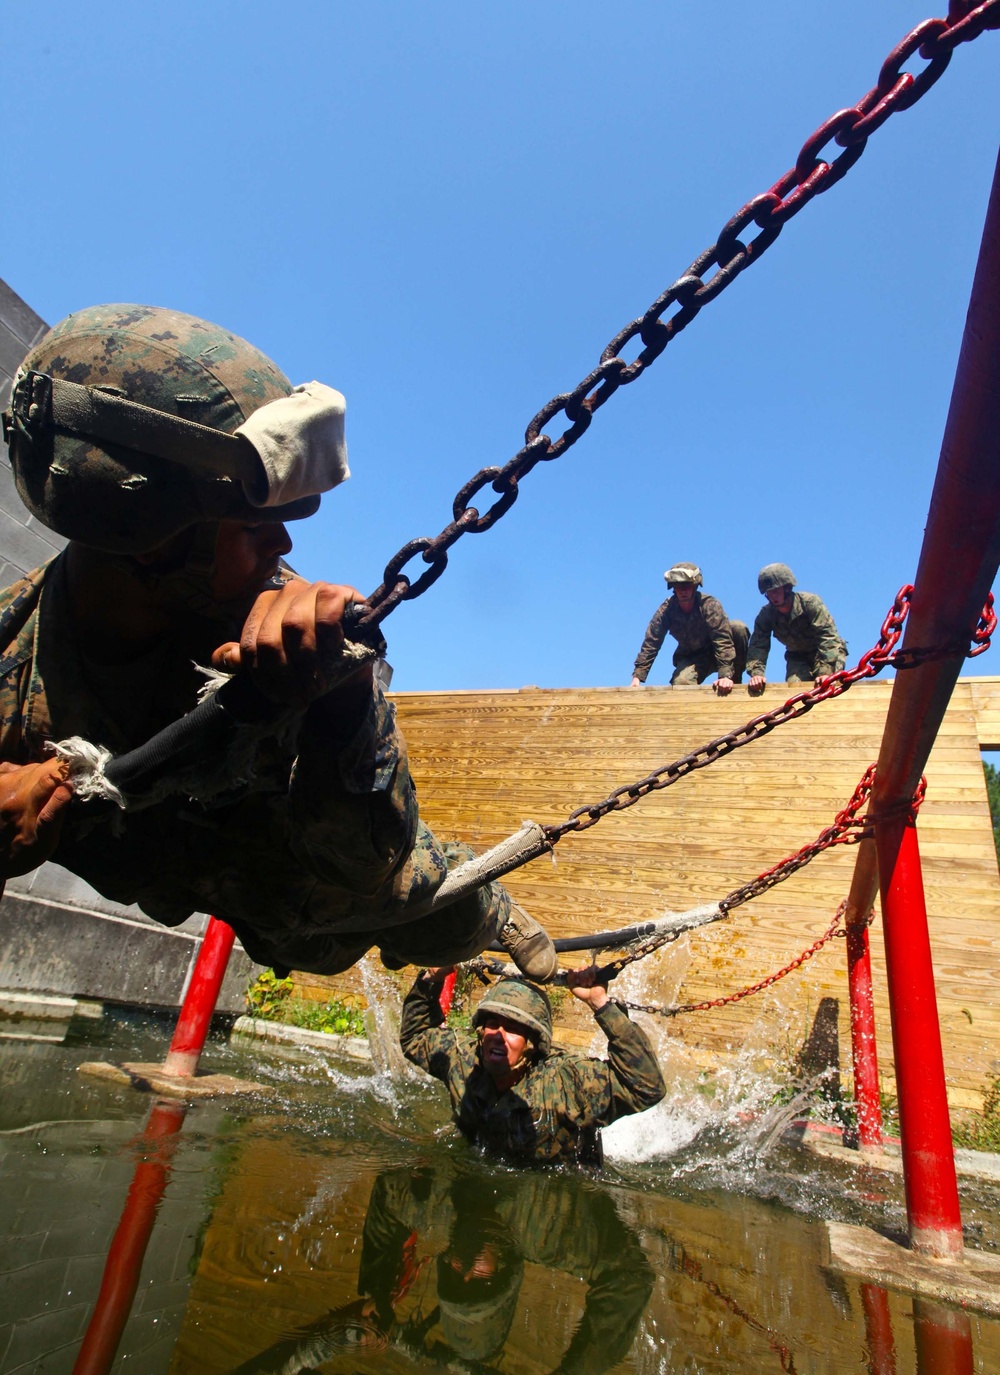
[484,761]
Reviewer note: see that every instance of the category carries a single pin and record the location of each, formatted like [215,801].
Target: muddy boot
[528,944]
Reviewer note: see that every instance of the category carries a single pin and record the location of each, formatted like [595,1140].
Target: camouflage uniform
[311,855]
[556,1221]
[707,642]
[813,646]
[554,1111]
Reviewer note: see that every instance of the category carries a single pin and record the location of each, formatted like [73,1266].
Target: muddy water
[335,1223]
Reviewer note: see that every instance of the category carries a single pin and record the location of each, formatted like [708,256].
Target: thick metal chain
[881,656]
[848,829]
[934,40]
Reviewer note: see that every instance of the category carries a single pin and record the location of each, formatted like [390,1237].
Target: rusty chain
[934,40]
[880,656]
[848,829]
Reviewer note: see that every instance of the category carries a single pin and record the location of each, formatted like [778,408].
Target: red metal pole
[864,1053]
[935,1220]
[878,1330]
[128,1248]
[199,1001]
[943,1339]
[958,562]
[447,993]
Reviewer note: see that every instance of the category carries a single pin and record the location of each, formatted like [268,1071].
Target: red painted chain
[934,40]
[881,656]
[848,829]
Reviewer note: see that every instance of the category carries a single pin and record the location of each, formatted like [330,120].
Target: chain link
[848,829]
[934,40]
[880,656]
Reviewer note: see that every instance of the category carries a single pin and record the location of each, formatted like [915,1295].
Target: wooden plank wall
[484,761]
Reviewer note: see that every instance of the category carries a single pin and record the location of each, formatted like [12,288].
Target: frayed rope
[86,764]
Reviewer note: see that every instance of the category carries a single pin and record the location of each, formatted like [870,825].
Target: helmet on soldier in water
[773,576]
[683,572]
[128,424]
[520,1002]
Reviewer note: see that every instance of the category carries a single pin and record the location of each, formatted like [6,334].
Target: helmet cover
[775,575]
[520,1002]
[683,572]
[120,499]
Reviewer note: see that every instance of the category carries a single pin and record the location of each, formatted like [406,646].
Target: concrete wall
[57,935]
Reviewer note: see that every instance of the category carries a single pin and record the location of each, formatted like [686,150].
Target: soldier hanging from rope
[299,825]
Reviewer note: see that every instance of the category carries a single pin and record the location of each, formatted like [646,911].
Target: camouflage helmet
[775,575]
[683,572]
[122,427]
[523,1003]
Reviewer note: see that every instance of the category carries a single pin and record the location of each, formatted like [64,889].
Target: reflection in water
[442,1264]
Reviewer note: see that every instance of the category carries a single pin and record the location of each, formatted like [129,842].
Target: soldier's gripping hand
[291,641]
[33,798]
[586,986]
[724,686]
[757,684]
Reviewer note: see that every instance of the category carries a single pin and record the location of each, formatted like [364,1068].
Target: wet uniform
[554,1111]
[813,646]
[707,641]
[306,839]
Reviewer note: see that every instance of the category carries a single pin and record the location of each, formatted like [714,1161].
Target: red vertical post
[864,1053]
[958,562]
[943,1338]
[128,1248]
[878,1330]
[935,1220]
[199,1001]
[447,993]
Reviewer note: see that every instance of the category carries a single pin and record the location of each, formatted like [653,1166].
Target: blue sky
[446,210]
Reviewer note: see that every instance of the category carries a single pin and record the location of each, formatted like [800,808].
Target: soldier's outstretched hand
[586,985]
[291,641]
[32,802]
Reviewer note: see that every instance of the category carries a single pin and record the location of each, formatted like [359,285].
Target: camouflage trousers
[801,669]
[690,669]
[454,933]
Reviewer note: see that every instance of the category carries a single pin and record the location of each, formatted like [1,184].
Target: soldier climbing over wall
[171,454]
[511,1091]
[799,621]
[707,640]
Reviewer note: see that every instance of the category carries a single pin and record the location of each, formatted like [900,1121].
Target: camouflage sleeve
[828,642]
[352,802]
[425,1040]
[760,645]
[651,645]
[628,1081]
[722,637]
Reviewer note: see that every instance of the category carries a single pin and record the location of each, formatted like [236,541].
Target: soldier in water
[707,640]
[800,622]
[512,1092]
[172,454]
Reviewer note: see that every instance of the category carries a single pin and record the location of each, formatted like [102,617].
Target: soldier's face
[780,598]
[684,592]
[503,1043]
[246,558]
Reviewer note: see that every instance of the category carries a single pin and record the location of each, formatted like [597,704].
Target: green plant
[272,1000]
[993,798]
[267,994]
[981,1132]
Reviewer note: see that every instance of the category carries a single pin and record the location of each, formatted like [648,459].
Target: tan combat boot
[528,944]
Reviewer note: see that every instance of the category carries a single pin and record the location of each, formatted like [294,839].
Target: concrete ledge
[59,949]
[150,1078]
[40,1016]
[255,1029]
[971,1282]
[828,1144]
